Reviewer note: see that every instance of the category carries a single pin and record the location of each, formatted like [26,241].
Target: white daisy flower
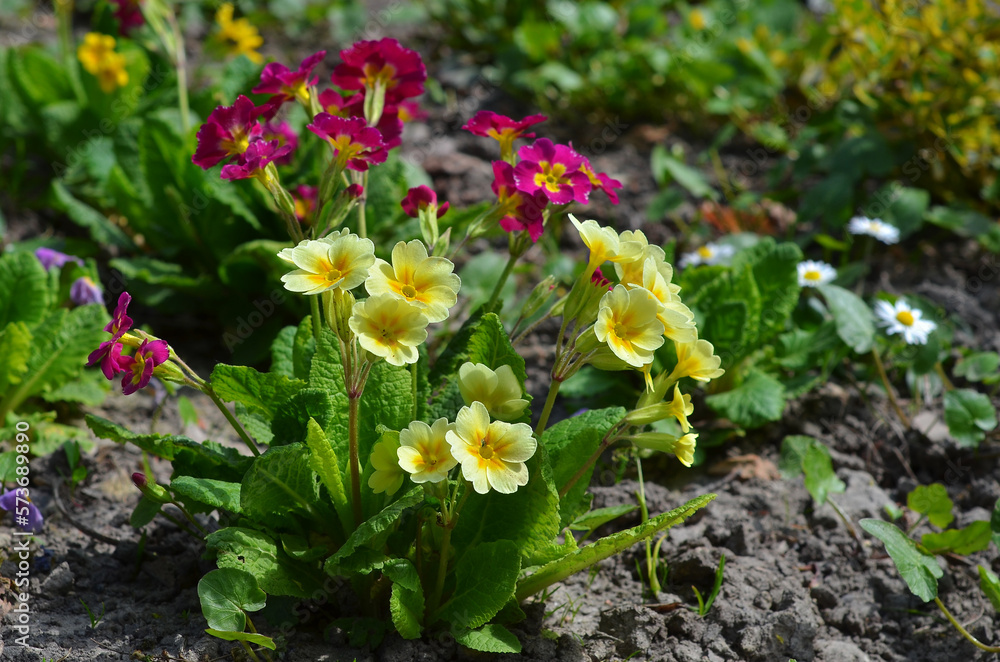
[874,227]
[813,273]
[709,254]
[901,318]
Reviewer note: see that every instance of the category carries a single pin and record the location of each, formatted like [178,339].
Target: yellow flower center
[408,291]
[333,275]
[905,317]
[620,330]
[812,275]
[705,252]
[485,450]
[551,176]
[385,75]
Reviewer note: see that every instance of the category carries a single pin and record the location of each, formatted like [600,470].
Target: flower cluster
[237,37]
[137,368]
[98,57]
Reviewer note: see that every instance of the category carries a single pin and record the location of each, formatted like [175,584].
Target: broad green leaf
[374,528]
[969,415]
[932,500]
[282,351]
[280,483]
[249,637]
[995,523]
[990,585]
[775,271]
[39,77]
[214,493]
[101,229]
[593,519]
[255,552]
[855,322]
[758,400]
[481,593]
[289,425]
[558,570]
[568,443]
[162,274]
[226,595]
[667,168]
[979,366]
[89,388]
[491,638]
[263,391]
[15,350]
[323,460]
[908,207]
[793,452]
[920,571]
[406,602]
[24,293]
[820,478]
[144,512]
[964,541]
[490,345]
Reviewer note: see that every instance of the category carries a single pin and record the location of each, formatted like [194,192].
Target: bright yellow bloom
[389,328]
[604,244]
[697,360]
[388,475]
[682,447]
[424,452]
[680,408]
[113,74]
[239,37]
[677,319]
[627,322]
[340,261]
[96,47]
[425,281]
[499,391]
[492,455]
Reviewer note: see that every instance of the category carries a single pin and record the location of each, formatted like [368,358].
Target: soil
[799,583]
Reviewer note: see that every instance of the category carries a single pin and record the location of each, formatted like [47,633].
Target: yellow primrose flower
[112,74]
[96,47]
[341,262]
[627,322]
[604,244]
[677,319]
[682,447]
[424,452]
[630,271]
[388,475]
[239,37]
[389,328]
[499,391]
[680,408]
[697,360]
[425,281]
[492,455]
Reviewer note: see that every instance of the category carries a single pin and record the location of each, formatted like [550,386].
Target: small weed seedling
[705,604]
[94,619]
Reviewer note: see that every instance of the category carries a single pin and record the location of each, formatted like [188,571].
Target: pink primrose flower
[139,368]
[367,63]
[353,142]
[554,170]
[227,132]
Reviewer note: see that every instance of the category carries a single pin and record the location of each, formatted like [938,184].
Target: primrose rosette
[393,449]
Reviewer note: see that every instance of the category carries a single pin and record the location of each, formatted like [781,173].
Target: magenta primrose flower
[227,132]
[84,291]
[120,321]
[109,353]
[305,202]
[255,159]
[139,368]
[554,170]
[129,15]
[366,63]
[503,129]
[29,518]
[354,143]
[285,84]
[285,135]
[420,198]
[522,211]
[53,258]
[389,125]
[410,111]
[601,181]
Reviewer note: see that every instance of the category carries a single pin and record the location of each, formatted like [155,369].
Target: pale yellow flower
[340,262]
[425,281]
[680,408]
[389,328]
[492,455]
[677,319]
[630,271]
[94,50]
[697,360]
[424,452]
[682,447]
[604,244]
[499,391]
[627,322]
[238,37]
[388,475]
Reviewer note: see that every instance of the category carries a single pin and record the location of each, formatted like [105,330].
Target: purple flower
[26,514]
[120,321]
[53,258]
[601,181]
[305,202]
[84,291]
[109,353]
[255,159]
[285,135]
[420,198]
[285,84]
[227,132]
[390,125]
[503,129]
[139,368]
[554,170]
[522,211]
[354,144]
[367,63]
[129,15]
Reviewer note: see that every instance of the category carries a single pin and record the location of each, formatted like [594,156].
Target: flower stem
[945,382]
[450,518]
[654,582]
[352,440]
[413,384]
[888,388]
[550,400]
[564,490]
[180,61]
[509,267]
[965,633]
[362,221]
[316,318]
[207,389]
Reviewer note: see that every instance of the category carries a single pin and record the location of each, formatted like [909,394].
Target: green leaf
[144,512]
[490,345]
[374,528]
[855,322]
[214,493]
[775,272]
[101,229]
[995,523]
[162,274]
[969,415]
[226,594]
[480,595]
[964,541]
[255,552]
[261,391]
[979,366]
[323,460]
[289,425]
[560,569]
[406,602]
[24,293]
[793,452]
[280,483]
[932,500]
[667,168]
[908,207]
[89,388]
[38,77]
[491,638]
[820,478]
[568,443]
[759,399]
[249,637]
[282,351]
[990,585]
[15,350]
[920,571]
[595,518]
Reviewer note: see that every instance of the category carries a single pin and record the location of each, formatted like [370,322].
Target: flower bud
[651,414]
[150,489]
[538,297]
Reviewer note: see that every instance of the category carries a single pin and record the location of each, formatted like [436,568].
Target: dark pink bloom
[354,143]
[129,15]
[305,202]
[502,129]
[84,291]
[285,135]
[420,198]
[139,368]
[601,181]
[120,321]
[367,63]
[410,111]
[109,355]
[389,125]
[522,211]
[597,279]
[285,84]
[554,170]
[354,191]
[227,132]
[53,258]
[255,159]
